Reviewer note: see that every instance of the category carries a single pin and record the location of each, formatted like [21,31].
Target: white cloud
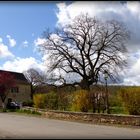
[131,75]
[128,13]
[12,41]
[1,40]
[4,52]
[39,41]
[67,12]
[25,44]
[134,7]
[23,64]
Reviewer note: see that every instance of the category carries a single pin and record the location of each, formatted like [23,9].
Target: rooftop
[17,75]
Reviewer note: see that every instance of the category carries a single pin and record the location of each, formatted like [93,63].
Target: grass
[21,111]
[118,110]
[28,112]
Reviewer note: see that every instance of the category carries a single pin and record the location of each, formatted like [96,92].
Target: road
[32,127]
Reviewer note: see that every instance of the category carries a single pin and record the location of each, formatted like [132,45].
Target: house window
[14,90]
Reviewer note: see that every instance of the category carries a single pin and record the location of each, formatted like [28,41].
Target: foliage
[80,101]
[51,100]
[64,100]
[28,103]
[48,100]
[115,100]
[4,110]
[28,112]
[39,100]
[130,96]
[124,100]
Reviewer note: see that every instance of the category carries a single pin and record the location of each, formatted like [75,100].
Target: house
[21,91]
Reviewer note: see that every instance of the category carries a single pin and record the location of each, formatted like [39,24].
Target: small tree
[35,78]
[7,81]
[81,101]
[39,100]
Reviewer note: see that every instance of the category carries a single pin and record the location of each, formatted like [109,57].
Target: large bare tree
[88,47]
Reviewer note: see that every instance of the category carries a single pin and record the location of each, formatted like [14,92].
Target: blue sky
[22,24]
[25,22]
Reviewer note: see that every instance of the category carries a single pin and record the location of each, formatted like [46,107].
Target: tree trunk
[3,100]
[93,103]
[98,105]
[32,91]
[3,105]
[85,84]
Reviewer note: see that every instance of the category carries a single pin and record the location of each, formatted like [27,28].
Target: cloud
[4,52]
[25,44]
[132,73]
[39,41]
[12,41]
[1,40]
[67,12]
[127,12]
[23,64]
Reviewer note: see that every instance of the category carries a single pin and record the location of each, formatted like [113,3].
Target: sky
[22,25]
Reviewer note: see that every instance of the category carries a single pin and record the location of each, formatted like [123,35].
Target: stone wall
[92,117]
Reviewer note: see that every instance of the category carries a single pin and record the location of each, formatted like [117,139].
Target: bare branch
[87,47]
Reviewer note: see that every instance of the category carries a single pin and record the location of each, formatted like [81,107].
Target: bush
[4,110]
[52,100]
[28,103]
[131,99]
[80,101]
[49,100]
[64,100]
[39,101]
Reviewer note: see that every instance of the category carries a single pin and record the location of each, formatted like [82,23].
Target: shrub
[39,100]
[64,100]
[80,101]
[48,100]
[52,100]
[4,110]
[28,103]
[130,97]
[28,111]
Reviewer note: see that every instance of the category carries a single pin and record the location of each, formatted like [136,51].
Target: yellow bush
[39,100]
[131,98]
[80,101]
